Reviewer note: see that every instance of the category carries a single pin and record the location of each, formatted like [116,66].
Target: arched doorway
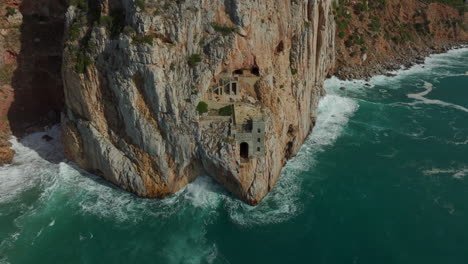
[244,150]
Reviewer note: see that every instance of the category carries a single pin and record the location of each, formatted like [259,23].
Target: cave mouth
[255,71]
[244,150]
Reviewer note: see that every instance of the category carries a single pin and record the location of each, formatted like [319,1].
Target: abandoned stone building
[247,126]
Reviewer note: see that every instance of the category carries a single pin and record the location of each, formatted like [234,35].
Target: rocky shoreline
[403,60]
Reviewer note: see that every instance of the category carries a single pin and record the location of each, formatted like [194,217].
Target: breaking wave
[283,202]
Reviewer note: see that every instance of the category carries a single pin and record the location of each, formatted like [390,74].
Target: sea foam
[284,202]
[421,99]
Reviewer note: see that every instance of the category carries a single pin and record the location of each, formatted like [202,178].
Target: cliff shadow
[37,81]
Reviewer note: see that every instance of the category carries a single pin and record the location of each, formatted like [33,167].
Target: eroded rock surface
[134,75]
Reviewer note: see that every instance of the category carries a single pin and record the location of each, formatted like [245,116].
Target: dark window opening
[255,71]
[239,72]
[258,139]
[280,47]
[234,88]
[248,126]
[258,130]
[244,150]
[258,149]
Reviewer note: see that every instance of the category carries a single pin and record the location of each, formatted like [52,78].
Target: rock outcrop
[374,37]
[135,71]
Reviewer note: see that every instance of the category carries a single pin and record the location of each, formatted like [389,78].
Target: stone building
[250,138]
[247,125]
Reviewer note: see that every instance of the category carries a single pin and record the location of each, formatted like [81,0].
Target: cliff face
[135,73]
[376,36]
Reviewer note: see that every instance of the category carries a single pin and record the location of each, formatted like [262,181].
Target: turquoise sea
[382,179]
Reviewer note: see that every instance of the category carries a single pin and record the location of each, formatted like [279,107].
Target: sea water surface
[382,179]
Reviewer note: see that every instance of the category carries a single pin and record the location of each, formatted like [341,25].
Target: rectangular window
[234,88]
[258,149]
[258,139]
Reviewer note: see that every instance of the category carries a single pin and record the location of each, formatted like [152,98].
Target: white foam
[455,173]
[283,202]
[396,78]
[29,166]
[421,99]
[59,179]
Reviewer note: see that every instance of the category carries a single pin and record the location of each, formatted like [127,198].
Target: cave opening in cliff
[244,150]
[238,72]
[280,47]
[255,71]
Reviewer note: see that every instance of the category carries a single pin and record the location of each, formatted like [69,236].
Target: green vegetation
[82,62]
[224,30]
[140,4]
[375,24]
[10,11]
[114,23]
[129,30]
[81,4]
[202,108]
[6,74]
[293,71]
[143,39]
[106,21]
[225,111]
[194,59]
[74,32]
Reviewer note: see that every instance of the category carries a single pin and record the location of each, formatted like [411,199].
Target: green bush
[374,24]
[129,30]
[140,4]
[141,39]
[224,30]
[81,4]
[10,11]
[341,34]
[293,71]
[225,111]
[82,62]
[106,21]
[194,59]
[74,32]
[202,108]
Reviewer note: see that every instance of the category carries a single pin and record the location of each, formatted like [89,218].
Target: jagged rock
[127,116]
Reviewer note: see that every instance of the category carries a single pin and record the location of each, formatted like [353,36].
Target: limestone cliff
[140,79]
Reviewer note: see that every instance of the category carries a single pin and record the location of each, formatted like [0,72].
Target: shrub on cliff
[224,30]
[141,39]
[225,111]
[10,11]
[202,108]
[140,4]
[81,4]
[194,59]
[82,62]
[74,32]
